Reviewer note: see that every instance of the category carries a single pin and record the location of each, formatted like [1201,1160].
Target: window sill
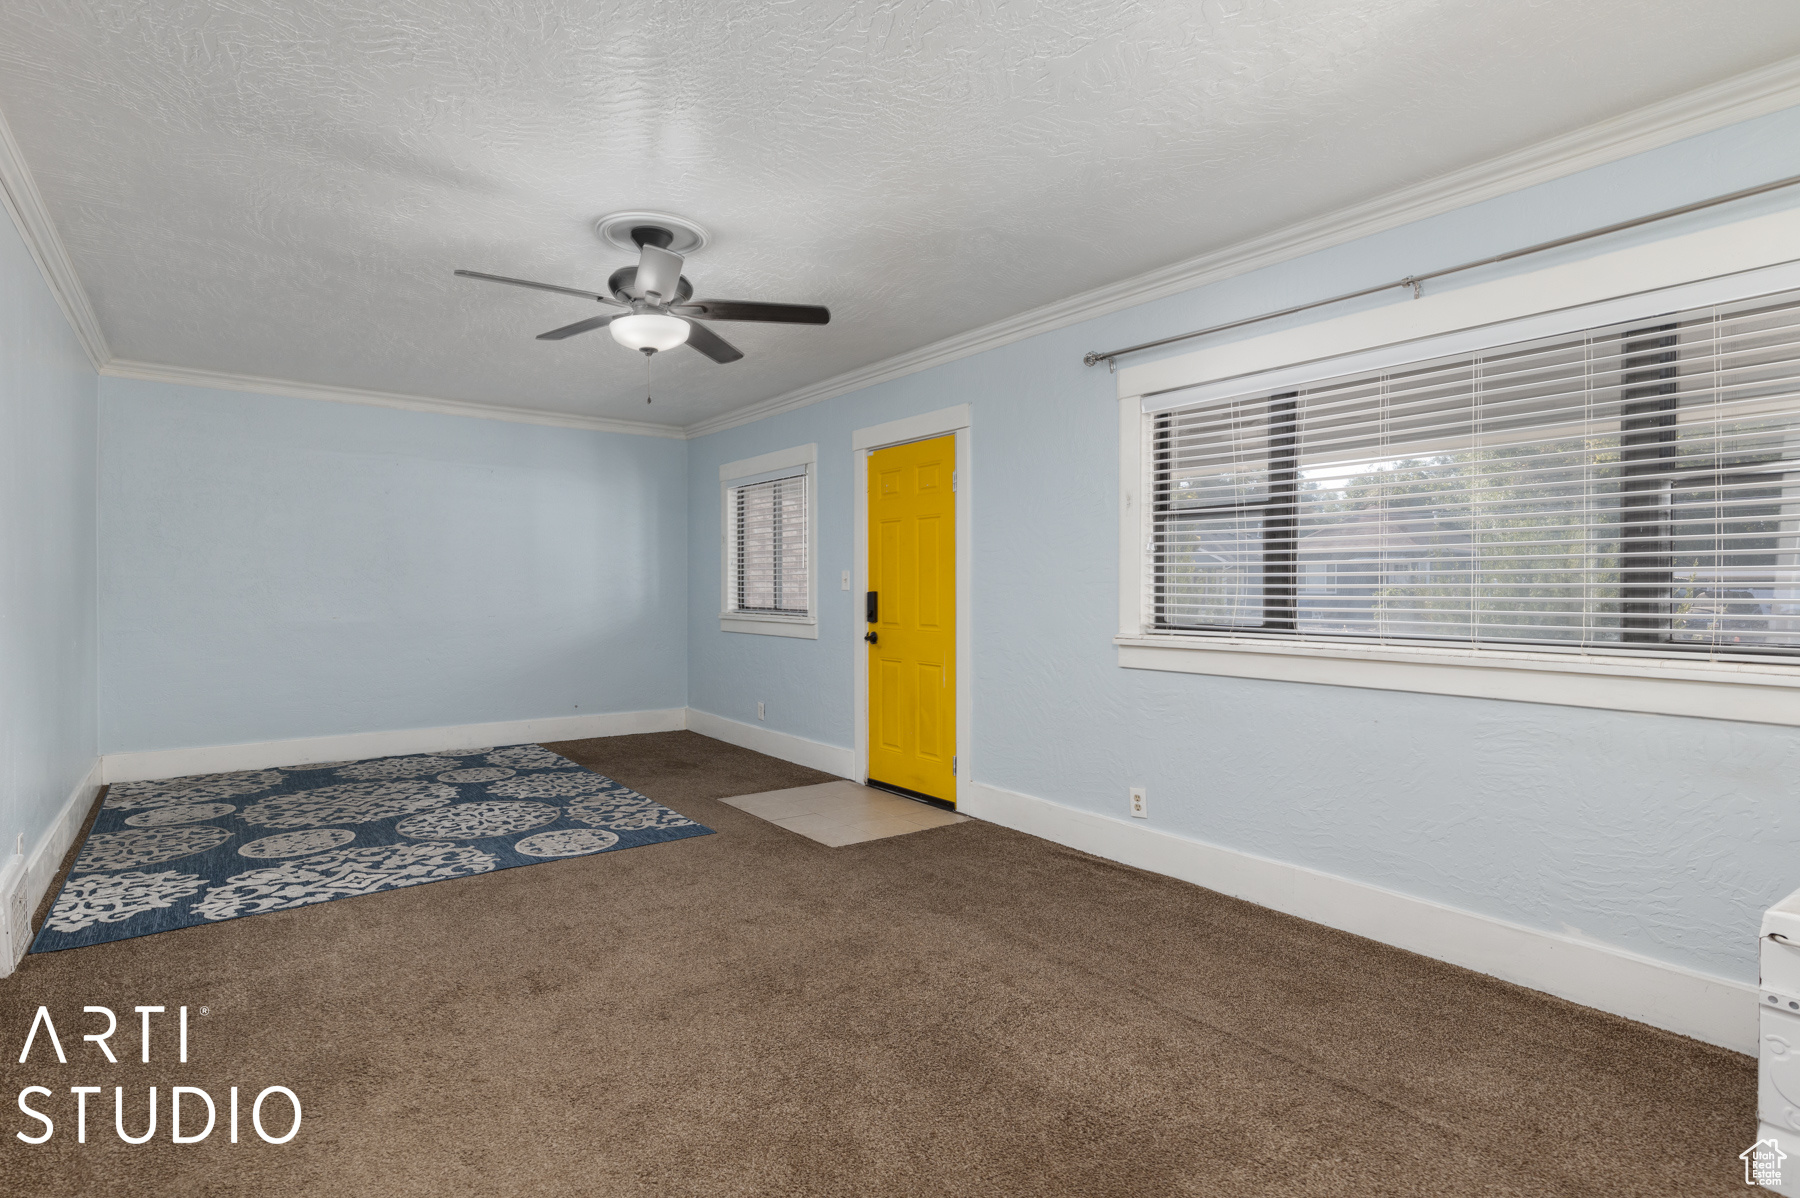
[1752,693]
[804,627]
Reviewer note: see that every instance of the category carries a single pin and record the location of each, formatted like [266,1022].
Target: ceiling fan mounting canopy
[685,237]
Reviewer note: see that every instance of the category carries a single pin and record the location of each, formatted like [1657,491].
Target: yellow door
[912,635]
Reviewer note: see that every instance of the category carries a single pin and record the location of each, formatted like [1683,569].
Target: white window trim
[1749,692]
[730,474]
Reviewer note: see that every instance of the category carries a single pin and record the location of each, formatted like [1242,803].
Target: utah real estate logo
[1762,1163]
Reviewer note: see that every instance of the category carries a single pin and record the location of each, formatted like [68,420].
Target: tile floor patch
[841,813]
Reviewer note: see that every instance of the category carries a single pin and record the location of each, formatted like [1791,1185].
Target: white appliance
[1778,1065]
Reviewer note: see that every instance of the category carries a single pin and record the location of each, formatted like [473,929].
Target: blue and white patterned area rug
[185,851]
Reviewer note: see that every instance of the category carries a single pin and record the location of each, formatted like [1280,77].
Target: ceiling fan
[660,311]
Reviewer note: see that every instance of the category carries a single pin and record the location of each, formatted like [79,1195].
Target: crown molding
[185,376]
[1739,98]
[25,204]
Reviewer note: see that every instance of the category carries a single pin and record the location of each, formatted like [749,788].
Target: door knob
[870,637]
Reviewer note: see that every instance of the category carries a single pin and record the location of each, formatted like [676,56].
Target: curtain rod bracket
[1417,286]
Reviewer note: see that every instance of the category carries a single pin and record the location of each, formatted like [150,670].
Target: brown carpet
[965,1010]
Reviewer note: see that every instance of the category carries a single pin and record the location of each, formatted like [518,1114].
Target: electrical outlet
[1139,805]
[759,709]
[846,582]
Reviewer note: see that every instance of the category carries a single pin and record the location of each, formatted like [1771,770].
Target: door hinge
[953,767]
[953,482]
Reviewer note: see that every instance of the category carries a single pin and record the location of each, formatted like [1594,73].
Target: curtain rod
[1416,281]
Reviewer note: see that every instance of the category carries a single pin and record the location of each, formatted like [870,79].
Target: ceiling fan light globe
[649,330]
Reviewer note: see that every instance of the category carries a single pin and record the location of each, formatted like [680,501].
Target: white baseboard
[218,759]
[25,880]
[1714,1009]
[833,759]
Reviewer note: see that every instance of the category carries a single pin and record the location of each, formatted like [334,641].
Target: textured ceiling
[283,189]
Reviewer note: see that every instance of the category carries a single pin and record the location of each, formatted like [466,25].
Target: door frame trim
[946,421]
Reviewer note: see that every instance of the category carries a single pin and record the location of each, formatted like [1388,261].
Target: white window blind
[1632,488]
[769,539]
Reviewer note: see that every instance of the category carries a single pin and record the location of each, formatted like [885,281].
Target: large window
[1632,488]
[768,536]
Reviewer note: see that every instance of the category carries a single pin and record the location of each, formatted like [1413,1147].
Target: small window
[769,565]
[768,537]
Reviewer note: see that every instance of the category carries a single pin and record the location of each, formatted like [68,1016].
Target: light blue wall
[276,568]
[47,648]
[1662,835]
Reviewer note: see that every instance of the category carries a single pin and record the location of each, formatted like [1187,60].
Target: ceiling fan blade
[659,271]
[711,344]
[713,309]
[592,295]
[580,326]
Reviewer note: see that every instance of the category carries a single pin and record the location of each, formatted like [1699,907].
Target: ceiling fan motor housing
[623,285]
